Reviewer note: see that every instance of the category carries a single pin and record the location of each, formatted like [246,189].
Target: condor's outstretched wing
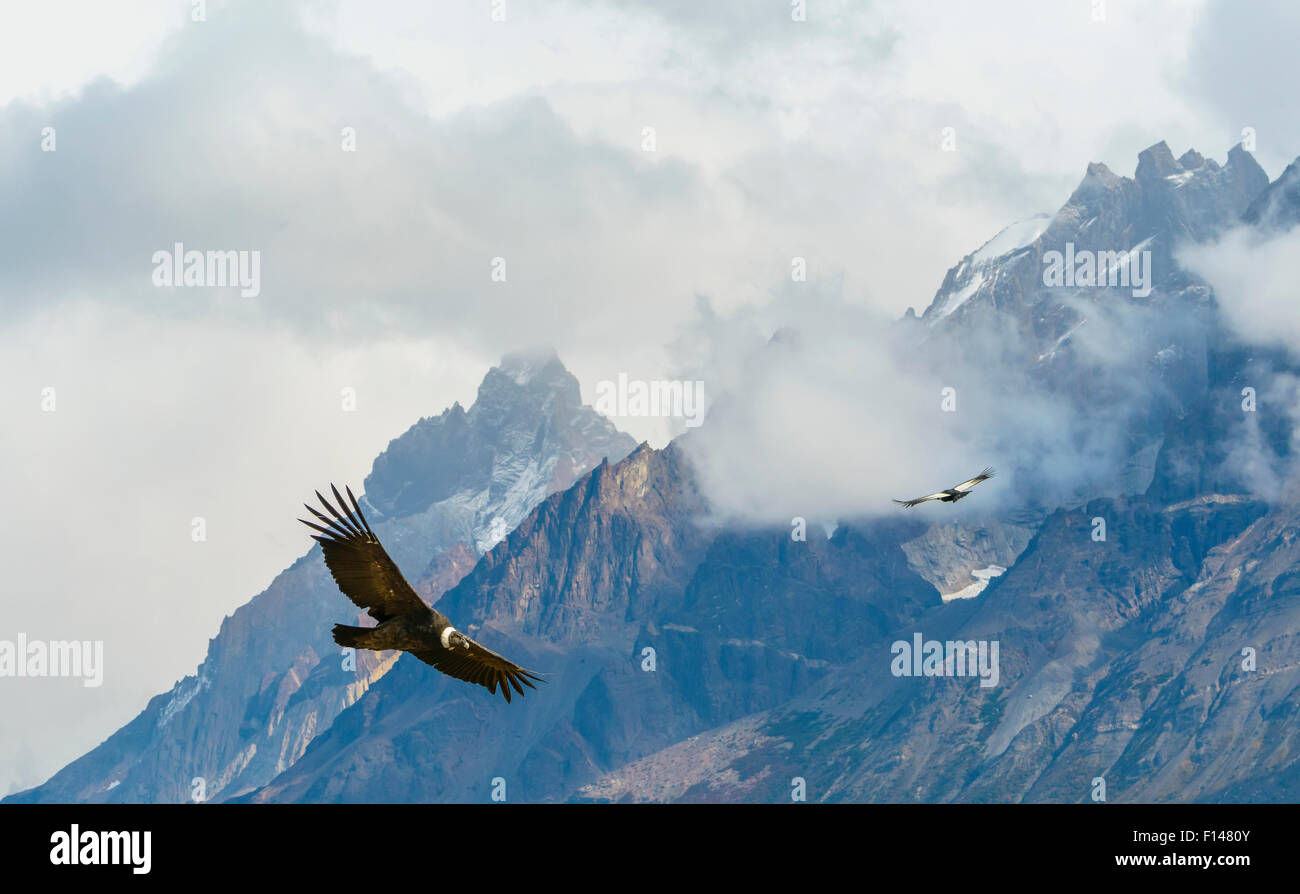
[910,503]
[360,567]
[480,665]
[982,476]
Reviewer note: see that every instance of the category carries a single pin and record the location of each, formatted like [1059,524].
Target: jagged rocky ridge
[273,679]
[1124,659]
[1120,658]
[771,656]
[738,622]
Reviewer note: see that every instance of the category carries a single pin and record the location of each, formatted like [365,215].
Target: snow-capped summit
[1017,236]
[480,471]
[526,365]
[970,276]
[1167,201]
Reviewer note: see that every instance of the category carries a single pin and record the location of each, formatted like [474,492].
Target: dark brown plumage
[367,576]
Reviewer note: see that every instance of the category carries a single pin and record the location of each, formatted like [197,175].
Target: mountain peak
[532,370]
[528,413]
[1157,161]
[1279,205]
[526,365]
[1168,200]
[1098,175]
[1238,154]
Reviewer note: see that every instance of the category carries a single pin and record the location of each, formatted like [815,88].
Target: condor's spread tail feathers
[351,637]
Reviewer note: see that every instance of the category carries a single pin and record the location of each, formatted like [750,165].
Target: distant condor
[368,577]
[952,494]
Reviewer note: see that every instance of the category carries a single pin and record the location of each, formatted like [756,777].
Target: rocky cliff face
[273,679]
[1120,660]
[652,626]
[1168,202]
[1148,641]
[1147,633]
[696,663]
[1278,207]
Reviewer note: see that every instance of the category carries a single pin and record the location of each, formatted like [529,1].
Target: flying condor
[367,576]
[952,494]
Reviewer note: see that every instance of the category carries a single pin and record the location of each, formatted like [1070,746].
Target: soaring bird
[367,576]
[952,494]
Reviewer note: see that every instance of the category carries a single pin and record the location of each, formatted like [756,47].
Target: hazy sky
[524,139]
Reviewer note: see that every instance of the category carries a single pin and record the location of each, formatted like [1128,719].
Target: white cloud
[56,47]
[1253,276]
[845,411]
[518,139]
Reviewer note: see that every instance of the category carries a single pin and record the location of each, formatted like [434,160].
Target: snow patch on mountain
[982,577]
[1126,259]
[522,367]
[961,297]
[1051,352]
[972,274]
[527,487]
[183,692]
[1019,235]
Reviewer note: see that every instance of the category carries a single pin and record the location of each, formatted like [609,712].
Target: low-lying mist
[829,411]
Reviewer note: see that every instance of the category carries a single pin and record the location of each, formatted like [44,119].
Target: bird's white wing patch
[969,483]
